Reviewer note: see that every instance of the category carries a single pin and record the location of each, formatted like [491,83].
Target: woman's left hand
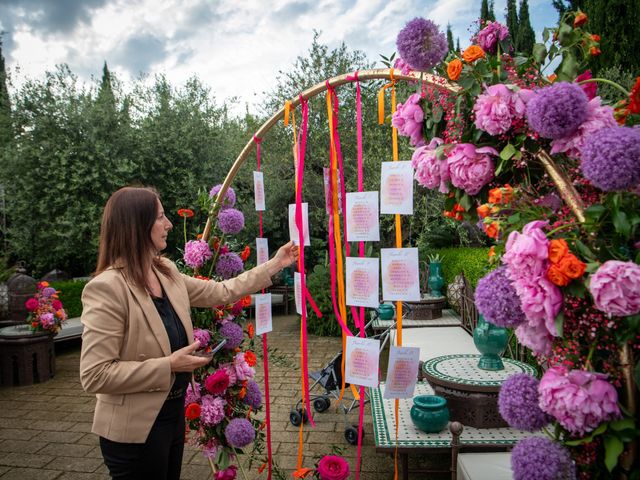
[287,254]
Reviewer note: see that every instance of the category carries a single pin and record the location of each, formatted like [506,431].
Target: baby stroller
[329,379]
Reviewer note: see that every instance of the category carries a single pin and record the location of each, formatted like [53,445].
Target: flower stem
[216,254]
[244,475]
[562,227]
[185,228]
[608,82]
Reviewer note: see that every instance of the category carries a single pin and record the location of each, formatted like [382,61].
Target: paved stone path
[45,429]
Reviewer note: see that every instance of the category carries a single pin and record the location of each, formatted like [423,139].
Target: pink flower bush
[333,467]
[599,116]
[526,253]
[470,167]
[408,120]
[196,253]
[498,107]
[579,400]
[431,172]
[615,288]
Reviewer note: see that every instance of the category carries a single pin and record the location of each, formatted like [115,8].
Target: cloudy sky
[234,46]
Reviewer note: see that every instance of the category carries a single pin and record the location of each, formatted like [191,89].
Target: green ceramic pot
[430,413]
[435,281]
[491,341]
[385,311]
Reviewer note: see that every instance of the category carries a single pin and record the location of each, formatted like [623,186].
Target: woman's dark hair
[125,234]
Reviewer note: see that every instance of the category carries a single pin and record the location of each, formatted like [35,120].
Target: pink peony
[535,337]
[615,288]
[579,400]
[212,411]
[490,35]
[431,172]
[31,304]
[599,116]
[408,120]
[495,109]
[526,253]
[243,370]
[56,304]
[227,474]
[541,301]
[196,253]
[217,382]
[332,467]
[471,168]
[231,371]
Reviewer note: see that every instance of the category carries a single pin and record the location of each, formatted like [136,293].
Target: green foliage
[5,270]
[473,262]
[70,294]
[511,19]
[526,37]
[449,37]
[610,94]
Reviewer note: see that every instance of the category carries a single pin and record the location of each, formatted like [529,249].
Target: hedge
[472,261]
[70,293]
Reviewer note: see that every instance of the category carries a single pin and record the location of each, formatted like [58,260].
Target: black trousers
[159,458]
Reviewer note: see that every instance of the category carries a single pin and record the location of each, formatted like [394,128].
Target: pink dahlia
[526,253]
[31,304]
[408,119]
[615,288]
[470,167]
[591,88]
[431,172]
[579,400]
[196,253]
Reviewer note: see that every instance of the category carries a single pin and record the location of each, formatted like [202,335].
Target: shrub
[70,295]
[473,262]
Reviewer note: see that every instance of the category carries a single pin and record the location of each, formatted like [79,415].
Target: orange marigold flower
[571,266]
[595,51]
[492,252]
[556,276]
[250,358]
[185,213]
[454,69]
[192,411]
[581,19]
[245,253]
[595,38]
[199,236]
[483,211]
[473,53]
[251,331]
[558,248]
[492,230]
[302,473]
[246,301]
[43,284]
[59,314]
[495,195]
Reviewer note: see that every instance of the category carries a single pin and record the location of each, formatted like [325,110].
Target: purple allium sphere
[421,44]
[229,265]
[542,459]
[558,110]
[610,158]
[239,433]
[253,398]
[497,300]
[229,198]
[518,403]
[233,333]
[230,221]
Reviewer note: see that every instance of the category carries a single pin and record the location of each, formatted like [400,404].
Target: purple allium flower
[431,172]
[470,167]
[202,336]
[558,110]
[408,119]
[578,399]
[600,116]
[253,398]
[196,253]
[229,265]
[421,44]
[542,459]
[212,411]
[191,396]
[611,158]
[48,291]
[239,433]
[490,35]
[230,221]
[615,288]
[518,403]
[497,300]
[229,199]
[233,333]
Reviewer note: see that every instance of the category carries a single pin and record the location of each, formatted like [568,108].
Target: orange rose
[495,195]
[250,358]
[595,51]
[246,301]
[251,330]
[483,210]
[492,230]
[557,250]
[192,411]
[454,69]
[595,38]
[473,53]
[507,193]
[556,276]
[581,19]
[571,266]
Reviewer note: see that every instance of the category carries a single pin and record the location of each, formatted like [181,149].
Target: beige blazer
[125,347]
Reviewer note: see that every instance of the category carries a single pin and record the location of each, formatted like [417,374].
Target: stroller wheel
[296,417]
[351,434]
[321,404]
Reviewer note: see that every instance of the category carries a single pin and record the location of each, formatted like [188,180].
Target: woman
[137,344]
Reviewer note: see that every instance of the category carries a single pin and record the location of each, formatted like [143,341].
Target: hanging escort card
[258,191]
[262,250]
[396,188]
[400,276]
[362,217]
[297,291]
[264,322]
[293,229]
[363,278]
[361,366]
[402,372]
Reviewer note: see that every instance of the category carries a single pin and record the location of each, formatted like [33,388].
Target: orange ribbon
[390,85]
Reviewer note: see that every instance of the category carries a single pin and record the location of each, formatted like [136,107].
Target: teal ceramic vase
[430,413]
[435,281]
[491,342]
[385,311]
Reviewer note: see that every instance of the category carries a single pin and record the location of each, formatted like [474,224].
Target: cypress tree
[491,15]
[484,12]
[526,37]
[458,44]
[6,124]
[512,20]
[449,37]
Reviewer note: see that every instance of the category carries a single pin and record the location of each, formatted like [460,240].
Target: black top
[175,331]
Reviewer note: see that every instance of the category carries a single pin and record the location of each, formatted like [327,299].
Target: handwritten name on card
[362,217]
[400,276]
[396,188]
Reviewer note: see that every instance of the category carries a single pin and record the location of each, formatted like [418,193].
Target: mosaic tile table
[413,441]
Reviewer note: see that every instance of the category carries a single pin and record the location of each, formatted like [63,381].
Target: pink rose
[431,172]
[579,400]
[615,288]
[471,168]
[31,304]
[217,382]
[526,253]
[332,467]
[408,119]
[227,474]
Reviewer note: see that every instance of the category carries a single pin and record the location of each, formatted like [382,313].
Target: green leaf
[559,322]
[594,212]
[501,165]
[622,424]
[621,223]
[515,218]
[585,251]
[519,61]
[465,201]
[507,152]
[437,113]
[439,152]
[613,447]
[545,35]
[568,69]
[539,53]
[564,33]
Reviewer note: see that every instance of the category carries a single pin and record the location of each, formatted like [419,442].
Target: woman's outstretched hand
[184,360]
[286,255]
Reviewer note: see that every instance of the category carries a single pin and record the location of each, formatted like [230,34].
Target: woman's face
[160,229]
